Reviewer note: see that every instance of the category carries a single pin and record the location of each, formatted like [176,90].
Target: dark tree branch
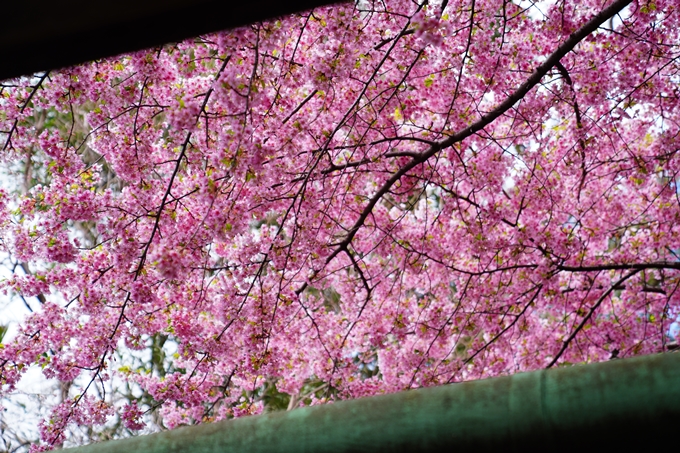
[585,320]
[566,47]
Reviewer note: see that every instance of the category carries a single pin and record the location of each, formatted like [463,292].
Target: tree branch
[612,288]
[566,47]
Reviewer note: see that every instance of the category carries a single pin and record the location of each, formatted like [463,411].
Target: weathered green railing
[621,404]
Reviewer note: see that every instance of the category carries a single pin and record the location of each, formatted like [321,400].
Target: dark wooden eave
[41,35]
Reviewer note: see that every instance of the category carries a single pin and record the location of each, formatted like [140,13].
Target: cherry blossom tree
[355,200]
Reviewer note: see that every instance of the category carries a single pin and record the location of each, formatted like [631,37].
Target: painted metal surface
[621,404]
[39,35]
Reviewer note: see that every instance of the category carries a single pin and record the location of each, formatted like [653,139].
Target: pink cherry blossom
[354,200]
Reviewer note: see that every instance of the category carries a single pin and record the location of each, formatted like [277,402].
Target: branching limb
[587,317]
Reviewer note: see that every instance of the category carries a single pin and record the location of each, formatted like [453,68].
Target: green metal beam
[39,35]
[621,404]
